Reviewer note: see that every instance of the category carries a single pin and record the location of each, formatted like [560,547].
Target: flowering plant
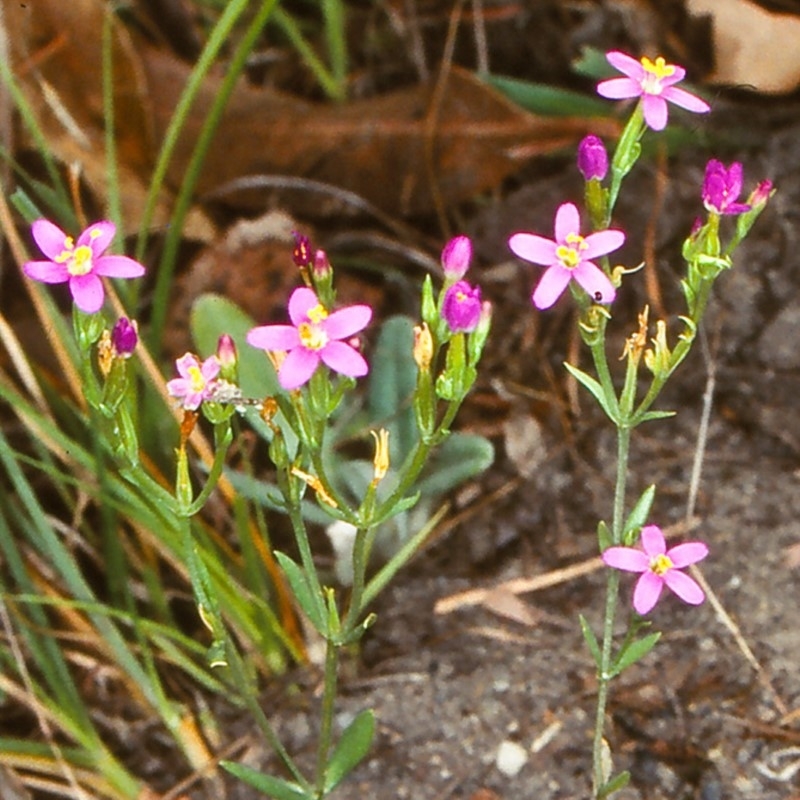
[576,258]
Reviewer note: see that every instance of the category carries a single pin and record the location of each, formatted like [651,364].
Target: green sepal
[352,747]
[428,310]
[276,788]
[638,516]
[604,537]
[591,641]
[631,653]
[596,390]
[618,782]
[88,328]
[312,606]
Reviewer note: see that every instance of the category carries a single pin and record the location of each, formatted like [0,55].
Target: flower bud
[761,194]
[592,158]
[124,337]
[228,358]
[322,266]
[461,309]
[456,257]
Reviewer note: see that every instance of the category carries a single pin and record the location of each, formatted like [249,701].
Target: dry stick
[474,597]
[481,48]
[697,468]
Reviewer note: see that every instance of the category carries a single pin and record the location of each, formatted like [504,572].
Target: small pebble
[511,758]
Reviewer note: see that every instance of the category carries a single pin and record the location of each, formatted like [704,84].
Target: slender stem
[304,546]
[612,589]
[326,722]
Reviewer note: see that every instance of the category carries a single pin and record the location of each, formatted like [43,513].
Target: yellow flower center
[656,72]
[317,314]
[661,564]
[196,379]
[81,260]
[312,337]
[569,254]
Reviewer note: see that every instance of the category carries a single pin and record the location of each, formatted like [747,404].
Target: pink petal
[50,238]
[178,387]
[98,237]
[46,271]
[297,367]
[626,64]
[87,292]
[602,242]
[210,368]
[687,553]
[533,248]
[647,591]
[685,587]
[594,282]
[685,100]
[118,267]
[551,286]
[568,221]
[679,73]
[301,302]
[629,559]
[274,337]
[653,541]
[342,358]
[185,363]
[619,89]
[655,111]
[347,321]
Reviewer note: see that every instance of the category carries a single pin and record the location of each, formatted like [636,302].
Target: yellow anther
[661,564]
[317,314]
[312,337]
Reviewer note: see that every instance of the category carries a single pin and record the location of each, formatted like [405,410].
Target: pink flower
[314,335]
[722,187]
[568,257]
[653,81]
[197,381]
[659,566]
[461,307]
[456,256]
[82,263]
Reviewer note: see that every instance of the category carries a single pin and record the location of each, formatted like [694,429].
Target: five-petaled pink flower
[568,257]
[80,262]
[314,336]
[197,381]
[654,82]
[659,566]
[722,187]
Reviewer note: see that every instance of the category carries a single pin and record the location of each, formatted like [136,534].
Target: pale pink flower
[80,262]
[654,82]
[314,336]
[659,567]
[197,381]
[568,257]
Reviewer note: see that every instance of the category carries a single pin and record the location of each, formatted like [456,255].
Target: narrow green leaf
[594,387]
[634,651]
[277,788]
[650,415]
[312,606]
[614,785]
[591,641]
[351,748]
[639,515]
[547,100]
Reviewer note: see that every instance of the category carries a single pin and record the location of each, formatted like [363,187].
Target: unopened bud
[761,194]
[228,358]
[456,257]
[322,266]
[124,337]
[592,158]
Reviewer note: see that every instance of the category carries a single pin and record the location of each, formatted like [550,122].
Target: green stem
[304,546]
[326,722]
[612,590]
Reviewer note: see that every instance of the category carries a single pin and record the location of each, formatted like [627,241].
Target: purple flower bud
[322,267]
[760,194]
[226,351]
[462,308]
[592,158]
[124,337]
[722,187]
[456,256]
